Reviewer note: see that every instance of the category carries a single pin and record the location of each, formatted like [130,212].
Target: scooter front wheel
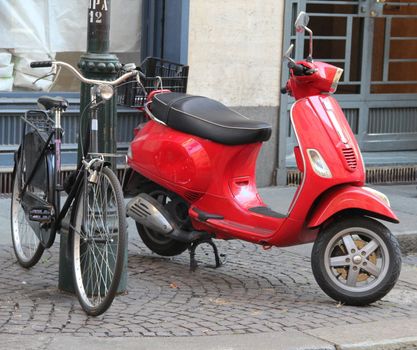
[356,261]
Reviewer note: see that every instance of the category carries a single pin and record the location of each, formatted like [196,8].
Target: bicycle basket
[39,120]
[173,76]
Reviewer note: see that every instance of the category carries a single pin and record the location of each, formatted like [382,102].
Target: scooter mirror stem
[310,52]
[287,54]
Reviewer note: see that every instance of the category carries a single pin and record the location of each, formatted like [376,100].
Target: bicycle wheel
[27,247]
[98,239]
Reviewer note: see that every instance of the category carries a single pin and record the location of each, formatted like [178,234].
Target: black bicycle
[94,205]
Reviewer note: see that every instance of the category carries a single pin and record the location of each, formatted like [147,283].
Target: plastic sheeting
[6,71]
[34,30]
[61,25]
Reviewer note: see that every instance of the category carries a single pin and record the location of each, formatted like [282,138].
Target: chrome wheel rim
[95,242]
[25,240]
[356,259]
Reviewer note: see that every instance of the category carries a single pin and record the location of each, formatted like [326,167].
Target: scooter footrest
[266,211]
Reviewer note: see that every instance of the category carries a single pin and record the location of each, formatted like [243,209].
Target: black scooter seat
[208,119]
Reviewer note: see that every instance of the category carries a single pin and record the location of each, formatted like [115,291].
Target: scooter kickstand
[193,246]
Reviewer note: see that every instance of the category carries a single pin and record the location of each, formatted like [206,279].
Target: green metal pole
[99,64]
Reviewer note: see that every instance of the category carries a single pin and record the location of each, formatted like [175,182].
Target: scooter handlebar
[300,70]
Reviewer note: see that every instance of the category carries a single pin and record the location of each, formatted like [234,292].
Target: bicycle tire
[98,236]
[26,245]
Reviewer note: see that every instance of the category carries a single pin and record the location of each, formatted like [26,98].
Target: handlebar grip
[40,64]
[298,69]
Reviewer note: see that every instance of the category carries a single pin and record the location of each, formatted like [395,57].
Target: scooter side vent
[192,196]
[350,158]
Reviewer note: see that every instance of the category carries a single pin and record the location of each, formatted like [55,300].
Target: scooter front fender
[352,198]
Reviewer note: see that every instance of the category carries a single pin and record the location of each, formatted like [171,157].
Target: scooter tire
[349,292]
[167,247]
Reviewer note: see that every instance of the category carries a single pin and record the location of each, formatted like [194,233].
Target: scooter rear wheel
[156,242]
[356,261]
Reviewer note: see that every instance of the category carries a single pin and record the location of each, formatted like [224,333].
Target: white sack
[26,81]
[6,71]
[5,58]
[6,84]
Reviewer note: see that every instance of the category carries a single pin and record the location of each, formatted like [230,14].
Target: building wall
[235,57]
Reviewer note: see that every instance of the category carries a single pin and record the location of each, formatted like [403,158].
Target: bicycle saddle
[53,102]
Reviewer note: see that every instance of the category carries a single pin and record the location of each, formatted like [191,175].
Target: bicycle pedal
[41,214]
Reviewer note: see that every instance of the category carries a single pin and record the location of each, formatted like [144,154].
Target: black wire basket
[39,120]
[160,74]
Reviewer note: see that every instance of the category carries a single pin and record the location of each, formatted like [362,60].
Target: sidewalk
[257,300]
[403,200]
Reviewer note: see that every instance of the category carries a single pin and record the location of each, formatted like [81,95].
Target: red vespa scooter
[194,178]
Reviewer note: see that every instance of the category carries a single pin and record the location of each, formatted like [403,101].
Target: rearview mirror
[301,22]
[301,26]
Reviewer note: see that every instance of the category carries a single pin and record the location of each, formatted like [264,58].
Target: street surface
[255,291]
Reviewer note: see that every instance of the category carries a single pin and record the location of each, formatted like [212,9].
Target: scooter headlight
[336,78]
[378,194]
[318,164]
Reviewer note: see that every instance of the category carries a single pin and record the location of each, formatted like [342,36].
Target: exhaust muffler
[150,213]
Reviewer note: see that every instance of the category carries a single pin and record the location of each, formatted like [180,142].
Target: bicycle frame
[55,138]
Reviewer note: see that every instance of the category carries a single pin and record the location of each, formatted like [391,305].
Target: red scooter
[194,179]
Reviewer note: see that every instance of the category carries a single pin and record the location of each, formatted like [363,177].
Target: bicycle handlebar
[39,64]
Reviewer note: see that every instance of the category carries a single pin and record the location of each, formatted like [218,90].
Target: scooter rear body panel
[214,178]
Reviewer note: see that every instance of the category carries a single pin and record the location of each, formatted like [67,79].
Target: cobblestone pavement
[255,291]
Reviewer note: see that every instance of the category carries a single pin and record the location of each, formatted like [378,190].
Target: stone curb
[408,343]
[278,341]
[379,335]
